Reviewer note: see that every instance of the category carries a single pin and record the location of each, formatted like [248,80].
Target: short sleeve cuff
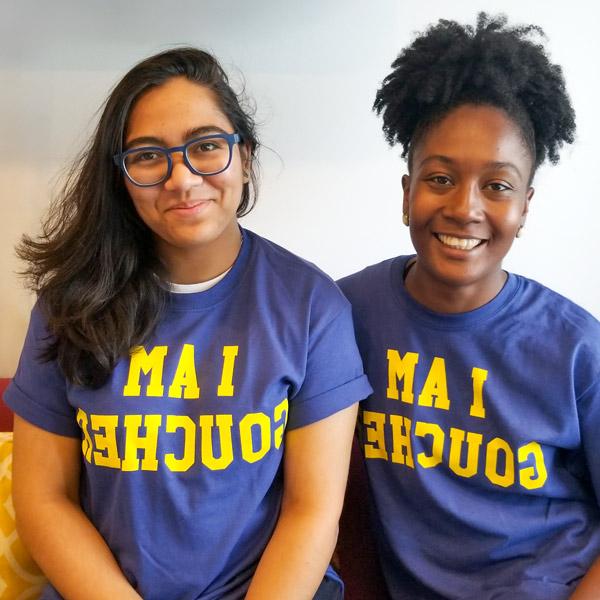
[311,410]
[38,415]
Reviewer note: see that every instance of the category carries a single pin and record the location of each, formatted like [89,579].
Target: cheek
[509,220]
[422,207]
[143,204]
[230,184]
[134,195]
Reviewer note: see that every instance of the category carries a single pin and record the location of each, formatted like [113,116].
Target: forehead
[174,107]
[475,134]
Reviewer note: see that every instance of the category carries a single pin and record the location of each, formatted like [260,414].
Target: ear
[246,156]
[528,198]
[406,193]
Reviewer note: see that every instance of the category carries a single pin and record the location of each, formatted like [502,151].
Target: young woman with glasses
[187,391]
[481,436]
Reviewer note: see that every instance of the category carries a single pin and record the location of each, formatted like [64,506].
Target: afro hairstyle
[453,64]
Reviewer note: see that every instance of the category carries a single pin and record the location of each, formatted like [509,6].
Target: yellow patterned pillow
[20,578]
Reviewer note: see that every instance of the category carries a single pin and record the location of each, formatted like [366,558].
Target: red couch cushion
[6,415]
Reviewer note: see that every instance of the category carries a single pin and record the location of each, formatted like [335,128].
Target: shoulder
[284,262]
[38,332]
[292,279]
[372,281]
[552,322]
[553,310]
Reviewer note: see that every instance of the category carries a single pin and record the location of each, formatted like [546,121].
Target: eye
[498,186]
[440,180]
[144,156]
[207,146]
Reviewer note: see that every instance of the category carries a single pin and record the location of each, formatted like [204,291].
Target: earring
[405,218]
[519,232]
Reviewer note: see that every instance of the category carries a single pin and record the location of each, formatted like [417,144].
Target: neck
[446,297]
[202,262]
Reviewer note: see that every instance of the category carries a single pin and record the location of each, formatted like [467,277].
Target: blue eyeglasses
[151,165]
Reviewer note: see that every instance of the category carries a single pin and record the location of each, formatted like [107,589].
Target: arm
[588,407]
[315,472]
[60,537]
[589,586]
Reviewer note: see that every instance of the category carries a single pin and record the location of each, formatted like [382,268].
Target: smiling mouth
[190,205]
[458,243]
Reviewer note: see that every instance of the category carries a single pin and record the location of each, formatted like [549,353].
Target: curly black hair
[453,64]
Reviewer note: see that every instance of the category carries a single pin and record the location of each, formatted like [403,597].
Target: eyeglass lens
[148,166]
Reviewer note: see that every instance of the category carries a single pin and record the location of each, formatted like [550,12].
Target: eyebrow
[189,134]
[491,165]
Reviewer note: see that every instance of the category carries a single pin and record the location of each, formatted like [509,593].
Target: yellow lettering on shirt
[188,428]
[374,446]
[150,364]
[226,388]
[434,458]
[105,440]
[401,444]
[86,442]
[533,477]
[224,424]
[211,442]
[494,448]
[135,442]
[281,411]
[185,376]
[479,377]
[263,423]
[435,386]
[463,458]
[401,369]
[457,438]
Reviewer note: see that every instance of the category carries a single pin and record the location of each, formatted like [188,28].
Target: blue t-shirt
[481,439]
[182,447]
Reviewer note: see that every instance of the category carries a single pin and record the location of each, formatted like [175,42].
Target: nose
[181,177]
[465,204]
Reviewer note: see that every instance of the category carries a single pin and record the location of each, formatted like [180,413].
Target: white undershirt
[192,288]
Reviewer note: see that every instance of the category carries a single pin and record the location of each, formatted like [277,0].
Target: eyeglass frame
[230,138]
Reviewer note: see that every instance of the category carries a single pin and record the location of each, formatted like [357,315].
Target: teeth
[460,243]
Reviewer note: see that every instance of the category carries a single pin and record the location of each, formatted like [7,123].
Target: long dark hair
[94,267]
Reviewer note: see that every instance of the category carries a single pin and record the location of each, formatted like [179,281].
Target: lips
[189,206]
[459,243]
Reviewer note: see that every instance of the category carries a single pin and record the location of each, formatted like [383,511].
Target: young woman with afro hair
[481,437]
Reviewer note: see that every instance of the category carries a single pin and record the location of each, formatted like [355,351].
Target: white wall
[330,187]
